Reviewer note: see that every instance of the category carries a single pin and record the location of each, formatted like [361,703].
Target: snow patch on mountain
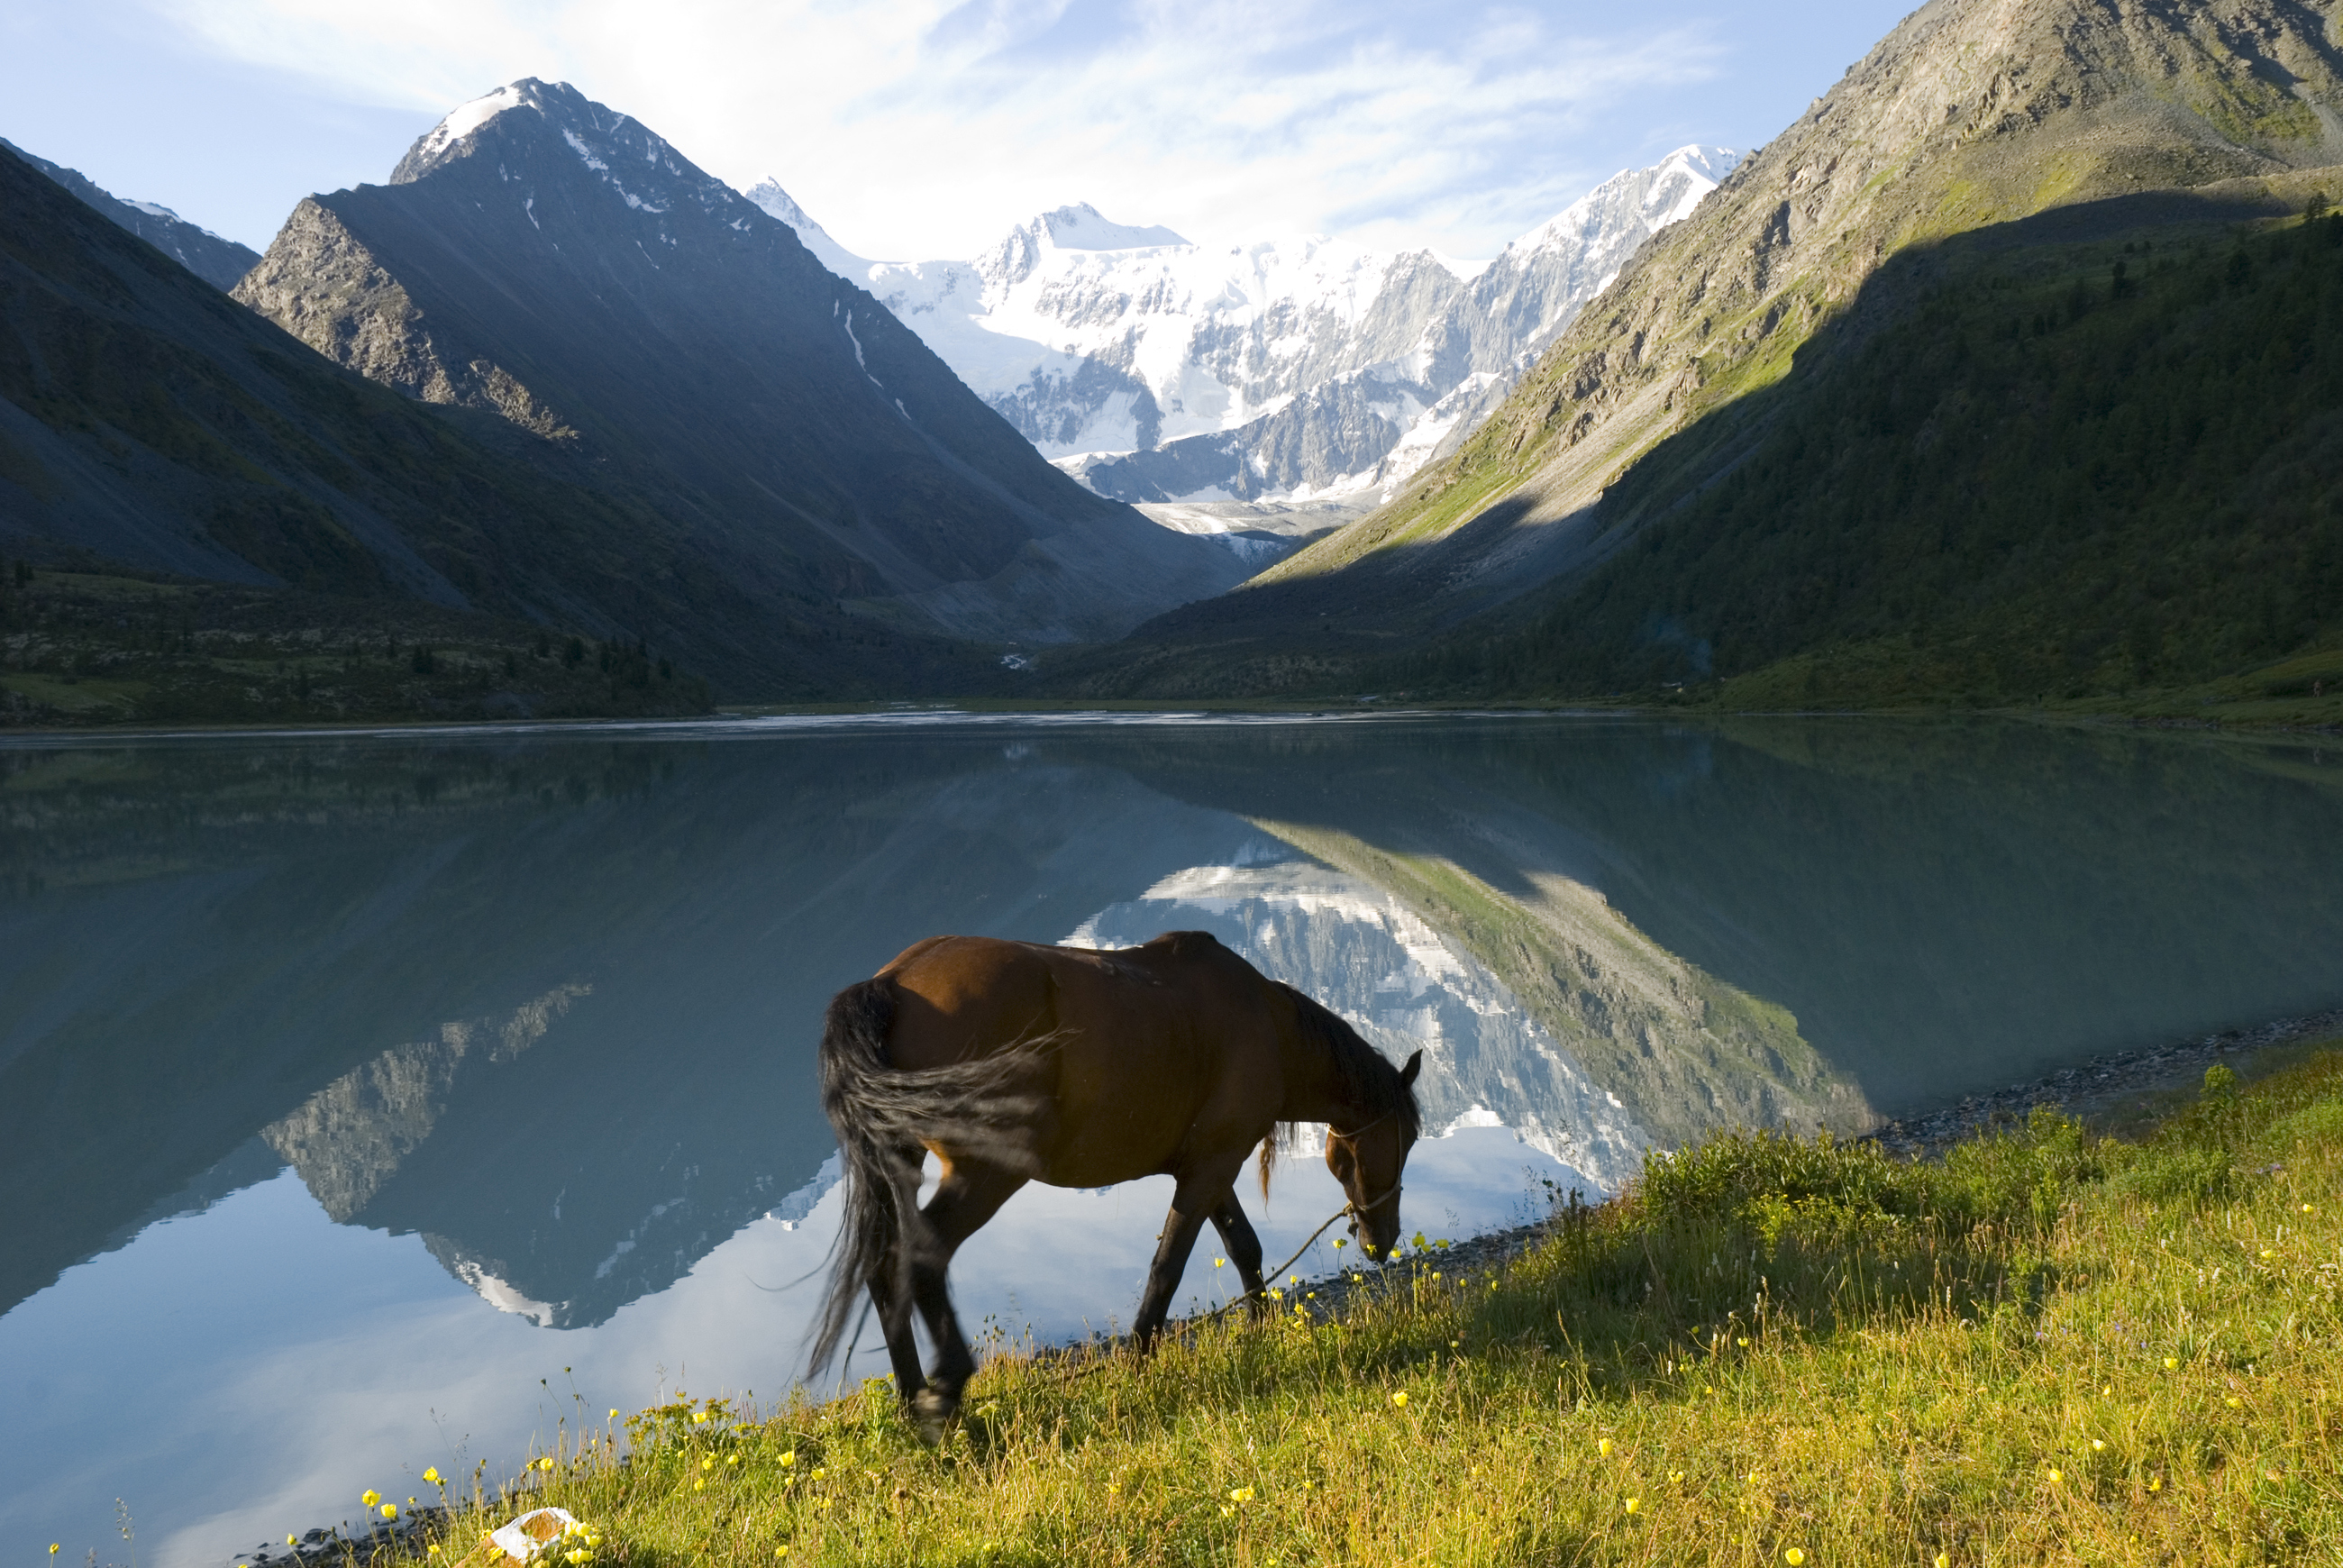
[1157,369]
[1081,227]
[466,118]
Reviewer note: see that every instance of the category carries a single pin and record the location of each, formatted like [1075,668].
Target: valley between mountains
[2009,376]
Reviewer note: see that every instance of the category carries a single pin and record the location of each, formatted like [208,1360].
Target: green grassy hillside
[2071,472]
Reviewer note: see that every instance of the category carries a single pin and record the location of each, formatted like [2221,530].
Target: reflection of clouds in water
[1360,951]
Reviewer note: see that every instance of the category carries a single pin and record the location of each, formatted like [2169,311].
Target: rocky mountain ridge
[218,260]
[544,259]
[1159,369]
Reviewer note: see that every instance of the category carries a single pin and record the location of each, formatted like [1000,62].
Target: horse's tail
[987,1109]
[877,1186]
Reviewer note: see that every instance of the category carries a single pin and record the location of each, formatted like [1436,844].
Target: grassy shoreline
[2046,1346]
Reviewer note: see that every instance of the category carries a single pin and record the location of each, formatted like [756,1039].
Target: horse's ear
[1407,1074]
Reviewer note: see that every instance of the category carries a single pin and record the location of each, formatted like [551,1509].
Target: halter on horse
[1013,1062]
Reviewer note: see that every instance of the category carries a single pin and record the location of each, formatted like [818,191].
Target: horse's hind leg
[894,1308]
[967,1196]
[1244,1248]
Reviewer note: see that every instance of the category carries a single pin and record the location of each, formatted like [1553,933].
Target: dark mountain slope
[545,257]
[148,421]
[1973,113]
[217,261]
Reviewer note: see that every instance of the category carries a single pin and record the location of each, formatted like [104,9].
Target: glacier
[1158,369]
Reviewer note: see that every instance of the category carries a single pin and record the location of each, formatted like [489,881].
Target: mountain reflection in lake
[314,1051]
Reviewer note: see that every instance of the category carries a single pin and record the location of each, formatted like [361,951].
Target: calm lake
[371,1102]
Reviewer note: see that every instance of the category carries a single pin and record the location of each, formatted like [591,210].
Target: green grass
[2048,1347]
[2092,472]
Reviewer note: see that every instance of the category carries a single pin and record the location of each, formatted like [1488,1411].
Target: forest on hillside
[2071,470]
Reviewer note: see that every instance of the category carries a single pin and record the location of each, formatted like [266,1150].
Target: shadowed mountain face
[552,1002]
[1971,114]
[548,260]
[148,421]
[153,423]
[217,261]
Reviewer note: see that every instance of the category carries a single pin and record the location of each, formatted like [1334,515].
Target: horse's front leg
[967,1196]
[1244,1248]
[1192,1202]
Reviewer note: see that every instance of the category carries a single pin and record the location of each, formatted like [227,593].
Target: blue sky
[924,128]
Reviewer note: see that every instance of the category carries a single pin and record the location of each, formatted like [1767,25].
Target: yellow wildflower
[432,1475]
[2055,1476]
[1943,1560]
[1241,1494]
[1603,1448]
[1400,1398]
[390,1511]
[781,1550]
[2155,1483]
[2171,1361]
[369,1497]
[1631,1505]
[1676,1475]
[790,1458]
[614,1415]
[1794,1557]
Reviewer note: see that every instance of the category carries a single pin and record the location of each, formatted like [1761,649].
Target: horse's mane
[1362,1074]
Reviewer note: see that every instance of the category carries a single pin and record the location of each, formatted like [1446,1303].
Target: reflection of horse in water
[1014,1062]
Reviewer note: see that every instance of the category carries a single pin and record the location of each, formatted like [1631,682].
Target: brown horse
[1013,1062]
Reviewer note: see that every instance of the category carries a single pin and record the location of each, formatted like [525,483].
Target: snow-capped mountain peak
[768,194]
[1661,195]
[1081,226]
[641,168]
[461,122]
[1154,368]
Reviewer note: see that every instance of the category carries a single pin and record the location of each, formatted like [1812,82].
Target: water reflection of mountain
[333,943]
[1357,948]
[1940,907]
[550,1002]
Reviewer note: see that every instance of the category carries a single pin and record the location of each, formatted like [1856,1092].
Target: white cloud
[922,129]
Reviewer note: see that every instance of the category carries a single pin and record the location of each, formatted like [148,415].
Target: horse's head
[1367,1161]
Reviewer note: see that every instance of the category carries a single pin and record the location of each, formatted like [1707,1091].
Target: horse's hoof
[933,1410]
